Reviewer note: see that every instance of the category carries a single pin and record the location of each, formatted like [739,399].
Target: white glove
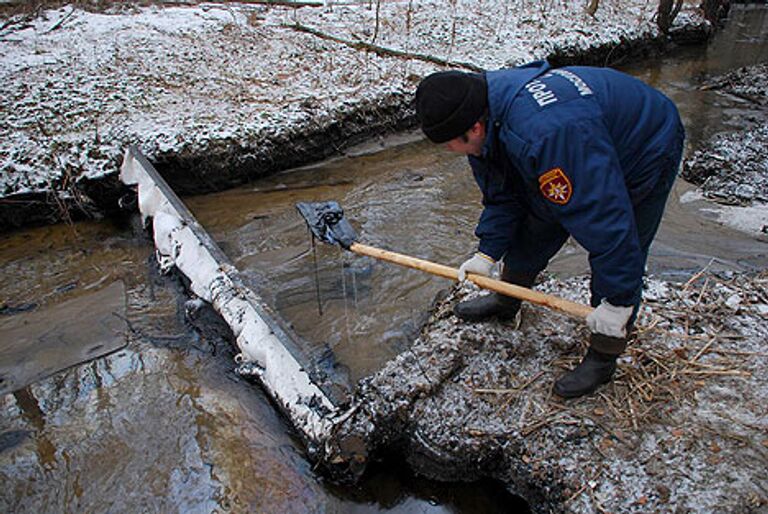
[609,320]
[478,263]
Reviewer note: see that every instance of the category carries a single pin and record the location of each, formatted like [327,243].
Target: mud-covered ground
[682,428]
[731,168]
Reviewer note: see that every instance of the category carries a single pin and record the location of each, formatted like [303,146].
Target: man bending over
[584,152]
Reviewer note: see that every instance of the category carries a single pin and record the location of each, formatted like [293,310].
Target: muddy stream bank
[163,406]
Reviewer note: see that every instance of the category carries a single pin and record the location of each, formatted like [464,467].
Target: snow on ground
[171,80]
[76,87]
[731,168]
[752,218]
[748,82]
[681,428]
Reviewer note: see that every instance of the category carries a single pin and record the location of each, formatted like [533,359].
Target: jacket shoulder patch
[556,186]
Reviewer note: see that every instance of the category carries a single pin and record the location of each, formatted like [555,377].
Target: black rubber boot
[595,369]
[488,306]
[495,305]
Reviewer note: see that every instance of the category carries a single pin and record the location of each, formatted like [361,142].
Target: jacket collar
[503,87]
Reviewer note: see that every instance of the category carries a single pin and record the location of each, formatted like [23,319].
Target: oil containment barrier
[268,349]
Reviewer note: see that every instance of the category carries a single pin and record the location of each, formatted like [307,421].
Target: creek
[160,423]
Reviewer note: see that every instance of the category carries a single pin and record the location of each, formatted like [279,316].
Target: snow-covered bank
[217,94]
[731,168]
[682,428]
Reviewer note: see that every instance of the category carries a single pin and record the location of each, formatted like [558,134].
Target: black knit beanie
[448,103]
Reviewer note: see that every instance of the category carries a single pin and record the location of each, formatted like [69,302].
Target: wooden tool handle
[577,310]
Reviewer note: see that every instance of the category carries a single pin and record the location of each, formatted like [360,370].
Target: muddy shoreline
[730,169]
[474,400]
[730,166]
[228,162]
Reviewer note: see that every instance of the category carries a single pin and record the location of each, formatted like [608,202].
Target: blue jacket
[576,146]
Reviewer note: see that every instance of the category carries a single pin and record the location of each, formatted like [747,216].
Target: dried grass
[651,378]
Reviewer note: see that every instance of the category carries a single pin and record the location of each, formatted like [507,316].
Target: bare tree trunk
[668,10]
[592,7]
[376,27]
[715,10]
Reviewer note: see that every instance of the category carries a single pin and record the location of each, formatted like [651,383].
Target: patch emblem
[556,186]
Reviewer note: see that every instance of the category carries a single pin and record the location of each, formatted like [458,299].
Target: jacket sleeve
[597,211]
[502,210]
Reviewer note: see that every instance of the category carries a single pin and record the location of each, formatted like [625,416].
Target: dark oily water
[742,42]
[44,341]
[163,425]
[407,199]
[687,238]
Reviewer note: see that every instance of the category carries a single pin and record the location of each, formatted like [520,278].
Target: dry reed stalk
[697,276]
[738,352]
[583,487]
[727,435]
[632,414]
[704,349]
[536,425]
[718,372]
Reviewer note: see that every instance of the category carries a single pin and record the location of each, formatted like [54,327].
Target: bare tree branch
[380,50]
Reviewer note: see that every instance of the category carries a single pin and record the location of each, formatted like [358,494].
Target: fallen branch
[19,22]
[61,22]
[383,51]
